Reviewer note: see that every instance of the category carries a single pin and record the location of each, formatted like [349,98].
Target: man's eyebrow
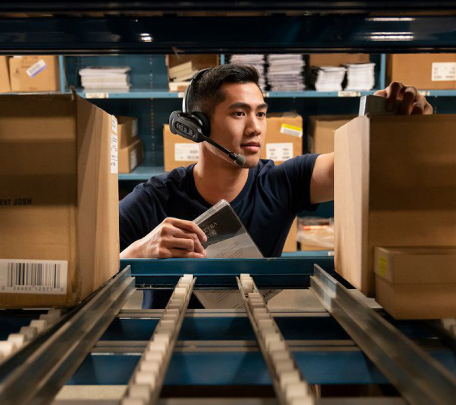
[247,106]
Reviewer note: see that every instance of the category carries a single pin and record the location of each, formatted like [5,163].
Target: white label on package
[134,128]
[96,95]
[279,151]
[184,152]
[114,154]
[33,276]
[114,124]
[444,71]
[133,159]
[36,68]
[291,130]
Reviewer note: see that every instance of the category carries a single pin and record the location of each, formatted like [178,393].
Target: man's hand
[412,101]
[172,238]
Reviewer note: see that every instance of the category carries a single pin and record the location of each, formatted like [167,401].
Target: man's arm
[322,182]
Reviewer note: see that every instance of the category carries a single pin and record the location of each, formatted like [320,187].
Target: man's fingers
[410,96]
[392,93]
[181,233]
[428,109]
[189,226]
[185,254]
[419,107]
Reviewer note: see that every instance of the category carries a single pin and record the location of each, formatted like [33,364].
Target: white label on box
[134,128]
[349,93]
[36,68]
[444,71]
[114,124]
[133,159]
[184,152]
[291,130]
[33,276]
[114,154]
[279,151]
[97,95]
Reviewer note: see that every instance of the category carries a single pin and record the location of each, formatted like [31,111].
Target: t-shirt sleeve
[136,216]
[297,175]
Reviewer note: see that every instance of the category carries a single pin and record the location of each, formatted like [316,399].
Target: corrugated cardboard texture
[337,59]
[169,145]
[131,156]
[5,86]
[399,70]
[46,80]
[320,134]
[55,151]
[275,136]
[127,131]
[395,185]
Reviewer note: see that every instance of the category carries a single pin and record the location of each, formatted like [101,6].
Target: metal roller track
[46,368]
[419,378]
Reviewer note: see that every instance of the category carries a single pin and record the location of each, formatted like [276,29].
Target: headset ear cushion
[206,124]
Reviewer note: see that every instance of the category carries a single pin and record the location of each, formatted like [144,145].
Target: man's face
[239,122]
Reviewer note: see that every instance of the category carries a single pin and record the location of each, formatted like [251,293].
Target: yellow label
[291,130]
[291,127]
[383,266]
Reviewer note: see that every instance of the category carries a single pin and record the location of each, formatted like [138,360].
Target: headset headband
[187,90]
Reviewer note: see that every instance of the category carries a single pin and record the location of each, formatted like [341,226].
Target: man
[156,218]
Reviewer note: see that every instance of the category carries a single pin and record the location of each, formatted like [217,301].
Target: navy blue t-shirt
[267,205]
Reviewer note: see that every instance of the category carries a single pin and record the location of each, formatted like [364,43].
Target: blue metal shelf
[133,93]
[144,171]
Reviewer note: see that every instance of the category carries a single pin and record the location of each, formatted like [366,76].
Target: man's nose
[253,126]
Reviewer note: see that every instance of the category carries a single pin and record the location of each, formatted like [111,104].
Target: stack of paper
[360,76]
[181,75]
[257,61]
[327,78]
[285,72]
[105,78]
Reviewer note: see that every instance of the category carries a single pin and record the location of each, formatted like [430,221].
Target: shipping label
[36,68]
[291,130]
[444,71]
[114,124]
[279,151]
[33,276]
[184,152]
[114,154]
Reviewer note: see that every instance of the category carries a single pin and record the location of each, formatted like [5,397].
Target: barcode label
[36,68]
[114,154]
[33,276]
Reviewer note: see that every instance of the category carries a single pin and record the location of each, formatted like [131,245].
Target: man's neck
[217,179]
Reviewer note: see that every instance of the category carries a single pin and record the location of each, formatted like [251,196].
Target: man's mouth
[251,146]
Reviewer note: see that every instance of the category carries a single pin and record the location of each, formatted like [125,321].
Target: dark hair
[206,92]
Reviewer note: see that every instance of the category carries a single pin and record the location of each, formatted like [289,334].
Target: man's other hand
[413,103]
[172,238]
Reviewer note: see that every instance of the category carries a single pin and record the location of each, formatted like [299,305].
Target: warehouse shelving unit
[217,354]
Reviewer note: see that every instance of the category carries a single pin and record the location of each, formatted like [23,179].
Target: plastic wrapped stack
[286,72]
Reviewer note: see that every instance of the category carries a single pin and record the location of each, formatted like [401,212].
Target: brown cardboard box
[292,238]
[395,185]
[178,151]
[127,131]
[34,73]
[131,156]
[58,199]
[337,59]
[416,283]
[5,86]
[436,71]
[283,137]
[320,134]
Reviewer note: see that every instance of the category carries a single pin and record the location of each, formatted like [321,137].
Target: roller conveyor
[224,354]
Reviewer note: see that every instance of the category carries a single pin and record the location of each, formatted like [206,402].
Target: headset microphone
[195,126]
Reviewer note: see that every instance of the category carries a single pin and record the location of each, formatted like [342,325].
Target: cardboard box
[177,150]
[131,156]
[416,283]
[127,131]
[395,185]
[5,86]
[436,71]
[320,133]
[34,73]
[58,200]
[283,137]
[337,59]
[291,244]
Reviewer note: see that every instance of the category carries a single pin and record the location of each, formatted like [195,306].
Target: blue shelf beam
[275,34]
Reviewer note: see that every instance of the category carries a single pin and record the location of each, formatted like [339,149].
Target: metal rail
[418,377]
[45,369]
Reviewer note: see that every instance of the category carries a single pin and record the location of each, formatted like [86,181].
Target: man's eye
[261,114]
[238,113]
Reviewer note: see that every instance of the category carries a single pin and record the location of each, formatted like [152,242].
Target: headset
[196,126]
